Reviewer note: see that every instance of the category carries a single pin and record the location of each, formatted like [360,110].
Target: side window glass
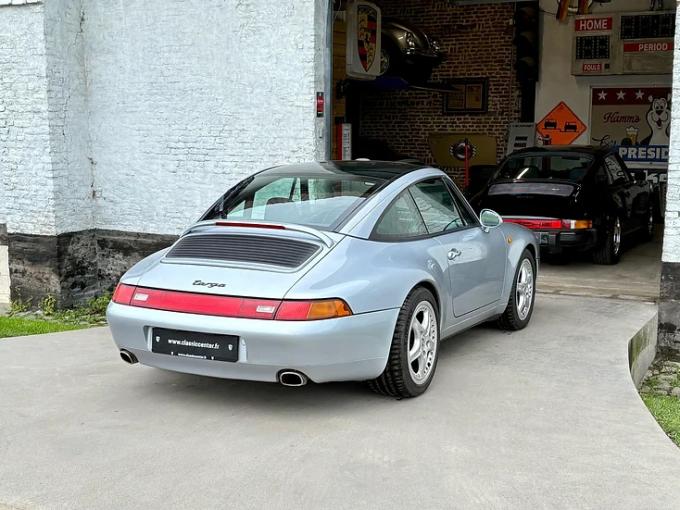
[271,197]
[623,167]
[401,219]
[602,176]
[436,206]
[468,217]
[617,175]
[237,212]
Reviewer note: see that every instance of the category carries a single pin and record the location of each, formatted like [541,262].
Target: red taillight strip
[536,223]
[123,294]
[550,223]
[249,225]
[229,306]
[192,302]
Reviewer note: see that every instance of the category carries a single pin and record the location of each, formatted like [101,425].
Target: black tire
[606,252]
[647,231]
[657,204]
[511,319]
[396,380]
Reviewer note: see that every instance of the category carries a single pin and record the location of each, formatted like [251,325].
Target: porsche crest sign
[363,40]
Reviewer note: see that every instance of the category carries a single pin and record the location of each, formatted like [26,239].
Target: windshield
[568,167]
[316,201]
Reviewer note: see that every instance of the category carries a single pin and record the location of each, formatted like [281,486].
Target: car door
[476,259]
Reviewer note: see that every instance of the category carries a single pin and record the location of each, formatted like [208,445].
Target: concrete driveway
[636,276]
[543,418]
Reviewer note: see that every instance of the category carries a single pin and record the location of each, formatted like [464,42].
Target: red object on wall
[467,163]
[562,10]
[592,68]
[338,141]
[593,24]
[320,104]
[647,47]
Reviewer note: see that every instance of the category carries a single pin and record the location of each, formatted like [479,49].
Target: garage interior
[505,77]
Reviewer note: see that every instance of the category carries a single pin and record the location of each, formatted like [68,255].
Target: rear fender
[132,275]
[372,275]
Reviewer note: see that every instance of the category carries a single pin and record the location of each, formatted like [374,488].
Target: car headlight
[410,40]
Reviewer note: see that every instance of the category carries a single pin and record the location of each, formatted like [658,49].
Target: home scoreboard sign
[593,24]
[635,119]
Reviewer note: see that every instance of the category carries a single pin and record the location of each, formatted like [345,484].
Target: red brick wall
[478,42]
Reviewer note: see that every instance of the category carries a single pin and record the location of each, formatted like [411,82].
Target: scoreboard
[623,43]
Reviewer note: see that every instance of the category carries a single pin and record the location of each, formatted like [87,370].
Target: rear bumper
[558,241]
[348,348]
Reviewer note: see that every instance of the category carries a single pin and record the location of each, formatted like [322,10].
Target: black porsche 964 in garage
[574,198]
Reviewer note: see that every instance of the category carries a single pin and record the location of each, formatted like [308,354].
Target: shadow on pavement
[175,387]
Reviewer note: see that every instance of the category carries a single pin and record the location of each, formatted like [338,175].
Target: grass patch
[22,326]
[666,410]
[49,319]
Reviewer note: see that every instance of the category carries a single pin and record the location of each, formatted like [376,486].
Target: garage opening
[583,88]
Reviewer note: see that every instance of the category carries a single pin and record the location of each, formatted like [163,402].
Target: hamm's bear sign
[635,119]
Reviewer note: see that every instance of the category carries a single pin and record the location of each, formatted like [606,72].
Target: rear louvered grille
[273,251]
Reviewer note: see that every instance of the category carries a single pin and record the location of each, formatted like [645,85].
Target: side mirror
[489,219]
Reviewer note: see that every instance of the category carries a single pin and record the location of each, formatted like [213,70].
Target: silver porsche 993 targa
[326,272]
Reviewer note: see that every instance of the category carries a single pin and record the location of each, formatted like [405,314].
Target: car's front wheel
[415,348]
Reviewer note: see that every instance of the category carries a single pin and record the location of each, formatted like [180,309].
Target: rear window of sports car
[316,201]
[564,166]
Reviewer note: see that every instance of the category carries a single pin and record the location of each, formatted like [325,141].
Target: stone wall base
[4,266]
[75,266]
[669,309]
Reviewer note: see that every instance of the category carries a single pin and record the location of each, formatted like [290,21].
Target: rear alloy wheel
[414,352]
[608,252]
[521,303]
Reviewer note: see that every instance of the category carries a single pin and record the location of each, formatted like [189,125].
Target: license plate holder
[191,344]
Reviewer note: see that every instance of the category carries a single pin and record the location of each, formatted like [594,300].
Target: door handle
[454,253]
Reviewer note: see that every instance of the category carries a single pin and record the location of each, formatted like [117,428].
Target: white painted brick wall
[26,181]
[69,131]
[186,98]
[136,114]
[671,243]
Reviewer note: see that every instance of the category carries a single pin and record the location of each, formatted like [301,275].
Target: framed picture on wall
[467,95]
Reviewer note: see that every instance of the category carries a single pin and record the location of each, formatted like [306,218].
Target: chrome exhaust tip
[292,378]
[128,357]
